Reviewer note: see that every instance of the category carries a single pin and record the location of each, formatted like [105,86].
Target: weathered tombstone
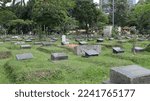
[46,43]
[37,43]
[19,43]
[80,50]
[15,37]
[119,30]
[111,38]
[91,52]
[117,50]
[25,46]
[64,40]
[58,56]
[24,56]
[132,74]
[7,39]
[28,40]
[138,49]
[82,42]
[107,31]
[100,40]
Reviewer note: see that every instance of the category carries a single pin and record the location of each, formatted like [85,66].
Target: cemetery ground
[77,69]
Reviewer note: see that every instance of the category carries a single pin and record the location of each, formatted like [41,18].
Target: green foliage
[88,15]
[53,13]
[6,16]
[140,17]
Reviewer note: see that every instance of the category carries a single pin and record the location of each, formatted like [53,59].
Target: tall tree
[52,13]
[121,12]
[88,14]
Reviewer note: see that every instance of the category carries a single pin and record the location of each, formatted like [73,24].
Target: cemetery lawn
[76,69]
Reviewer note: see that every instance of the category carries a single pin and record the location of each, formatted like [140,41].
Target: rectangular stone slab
[59,56]
[25,46]
[118,50]
[37,43]
[24,56]
[91,53]
[138,49]
[100,40]
[46,43]
[132,74]
[82,42]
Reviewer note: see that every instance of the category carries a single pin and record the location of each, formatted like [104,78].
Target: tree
[121,12]
[88,15]
[52,13]
[140,16]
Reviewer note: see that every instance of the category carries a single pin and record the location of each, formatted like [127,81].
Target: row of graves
[119,75]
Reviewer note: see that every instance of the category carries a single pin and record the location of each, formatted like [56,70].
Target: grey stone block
[100,40]
[37,43]
[24,56]
[118,50]
[80,50]
[91,53]
[25,46]
[82,43]
[58,56]
[132,74]
[46,43]
[138,49]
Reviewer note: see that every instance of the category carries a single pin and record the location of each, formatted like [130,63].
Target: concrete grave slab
[82,43]
[59,56]
[91,53]
[25,46]
[100,40]
[117,50]
[138,49]
[132,74]
[80,50]
[24,56]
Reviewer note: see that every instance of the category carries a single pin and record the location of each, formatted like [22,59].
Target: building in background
[132,2]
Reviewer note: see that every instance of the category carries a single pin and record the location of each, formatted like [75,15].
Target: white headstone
[119,30]
[107,30]
[63,38]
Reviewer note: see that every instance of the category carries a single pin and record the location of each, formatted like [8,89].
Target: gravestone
[132,74]
[118,50]
[58,56]
[91,52]
[111,38]
[28,40]
[19,43]
[138,49]
[64,40]
[24,56]
[7,39]
[37,43]
[80,50]
[46,43]
[100,40]
[82,42]
[25,46]
[107,31]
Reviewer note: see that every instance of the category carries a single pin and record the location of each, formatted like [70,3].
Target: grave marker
[132,74]
[24,56]
[118,50]
[58,56]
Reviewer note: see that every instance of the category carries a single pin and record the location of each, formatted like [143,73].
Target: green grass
[76,69]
